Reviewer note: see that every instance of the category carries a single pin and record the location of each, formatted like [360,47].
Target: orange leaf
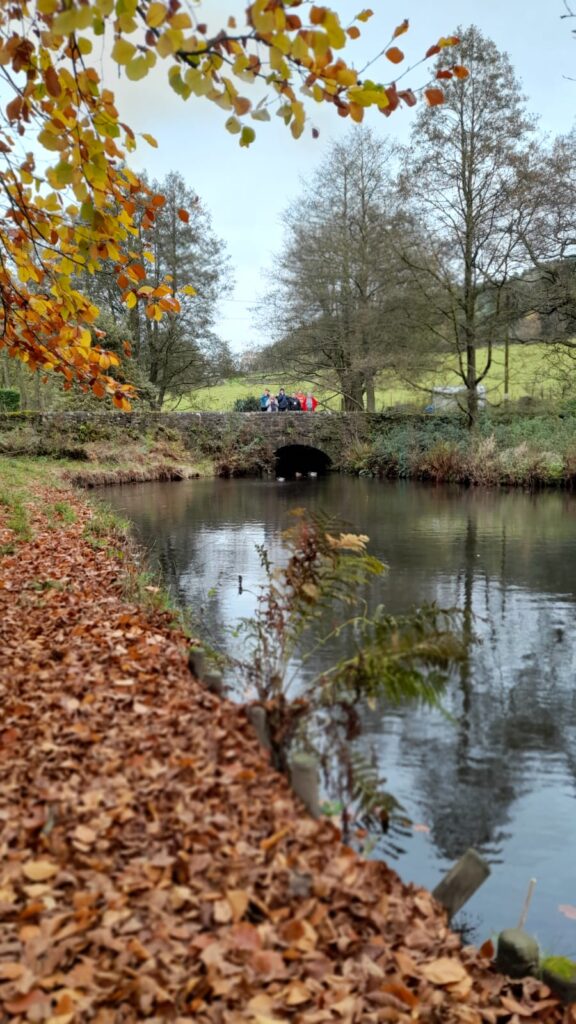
[353,32]
[401,29]
[487,949]
[395,55]
[184,215]
[395,988]
[432,50]
[443,73]
[52,82]
[434,97]
[317,15]
[273,840]
[460,71]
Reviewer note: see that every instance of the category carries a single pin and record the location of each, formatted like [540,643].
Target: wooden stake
[527,902]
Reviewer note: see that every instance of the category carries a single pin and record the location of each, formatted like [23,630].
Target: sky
[246,190]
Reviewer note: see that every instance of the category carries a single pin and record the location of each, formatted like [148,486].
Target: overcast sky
[246,190]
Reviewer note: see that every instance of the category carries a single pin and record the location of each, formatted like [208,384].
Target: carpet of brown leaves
[152,865]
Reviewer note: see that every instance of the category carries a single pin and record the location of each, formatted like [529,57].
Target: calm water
[502,777]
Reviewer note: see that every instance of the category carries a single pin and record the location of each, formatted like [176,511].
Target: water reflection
[499,776]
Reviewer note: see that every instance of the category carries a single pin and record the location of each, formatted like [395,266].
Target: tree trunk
[370,394]
[352,387]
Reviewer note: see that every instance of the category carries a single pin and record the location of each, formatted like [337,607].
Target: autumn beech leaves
[75,211]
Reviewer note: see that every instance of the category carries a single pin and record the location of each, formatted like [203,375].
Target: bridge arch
[294,459]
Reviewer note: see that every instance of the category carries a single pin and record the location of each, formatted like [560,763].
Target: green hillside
[529,375]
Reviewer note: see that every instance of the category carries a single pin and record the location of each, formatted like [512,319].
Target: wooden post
[461,882]
[304,779]
[258,718]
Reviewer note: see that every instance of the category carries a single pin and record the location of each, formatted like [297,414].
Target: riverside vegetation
[513,446]
[505,448]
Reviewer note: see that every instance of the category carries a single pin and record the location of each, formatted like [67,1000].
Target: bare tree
[337,282]
[459,177]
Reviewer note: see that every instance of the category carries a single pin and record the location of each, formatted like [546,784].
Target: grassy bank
[536,451]
[88,460]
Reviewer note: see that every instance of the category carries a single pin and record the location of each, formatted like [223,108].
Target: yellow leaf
[39,870]
[150,140]
[72,20]
[248,135]
[364,15]
[123,51]
[156,14]
[188,290]
[137,69]
[131,300]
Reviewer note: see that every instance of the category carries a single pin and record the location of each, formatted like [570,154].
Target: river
[501,775]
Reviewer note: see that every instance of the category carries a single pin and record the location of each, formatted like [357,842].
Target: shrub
[444,462]
[9,400]
[249,404]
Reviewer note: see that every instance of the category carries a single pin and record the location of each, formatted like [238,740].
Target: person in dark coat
[283,401]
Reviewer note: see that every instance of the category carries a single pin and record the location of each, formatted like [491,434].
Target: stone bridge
[251,442]
[285,442]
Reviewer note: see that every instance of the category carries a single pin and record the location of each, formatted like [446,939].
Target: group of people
[282,402]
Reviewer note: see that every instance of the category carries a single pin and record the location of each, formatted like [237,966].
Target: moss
[561,966]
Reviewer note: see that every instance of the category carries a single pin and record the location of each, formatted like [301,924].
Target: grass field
[529,375]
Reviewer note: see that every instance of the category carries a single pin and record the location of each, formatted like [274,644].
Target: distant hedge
[9,400]
[249,404]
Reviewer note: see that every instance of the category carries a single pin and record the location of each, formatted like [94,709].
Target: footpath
[154,867]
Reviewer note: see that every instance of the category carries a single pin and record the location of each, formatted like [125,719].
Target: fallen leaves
[444,971]
[153,866]
[39,870]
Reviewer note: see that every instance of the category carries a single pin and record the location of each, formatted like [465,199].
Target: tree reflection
[506,559]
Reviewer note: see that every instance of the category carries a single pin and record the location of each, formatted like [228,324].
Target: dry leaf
[444,971]
[39,870]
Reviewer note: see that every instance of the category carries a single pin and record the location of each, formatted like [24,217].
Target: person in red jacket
[309,403]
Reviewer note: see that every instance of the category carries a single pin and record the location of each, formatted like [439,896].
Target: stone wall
[245,441]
